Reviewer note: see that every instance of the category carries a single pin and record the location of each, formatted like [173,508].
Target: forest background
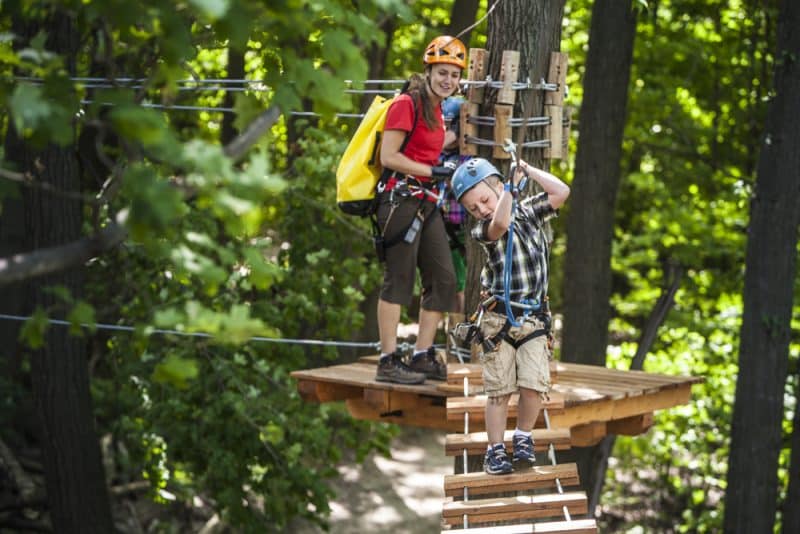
[116,210]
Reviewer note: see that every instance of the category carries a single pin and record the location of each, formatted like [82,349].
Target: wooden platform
[596,400]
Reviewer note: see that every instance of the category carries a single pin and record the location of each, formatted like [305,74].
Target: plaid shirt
[529,270]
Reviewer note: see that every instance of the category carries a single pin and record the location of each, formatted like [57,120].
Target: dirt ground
[401,494]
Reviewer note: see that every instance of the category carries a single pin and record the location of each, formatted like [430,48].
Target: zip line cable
[150,331]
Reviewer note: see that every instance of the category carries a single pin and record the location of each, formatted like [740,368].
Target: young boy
[518,357]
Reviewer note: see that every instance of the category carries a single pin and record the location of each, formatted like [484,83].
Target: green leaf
[33,330]
[81,314]
[176,370]
[29,108]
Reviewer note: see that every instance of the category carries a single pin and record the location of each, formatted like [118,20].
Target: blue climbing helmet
[451,107]
[469,173]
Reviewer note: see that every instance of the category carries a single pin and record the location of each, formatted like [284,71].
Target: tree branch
[49,260]
[237,148]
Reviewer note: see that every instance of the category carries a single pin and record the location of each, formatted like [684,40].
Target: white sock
[518,432]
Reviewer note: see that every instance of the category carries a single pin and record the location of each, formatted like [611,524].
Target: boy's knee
[499,400]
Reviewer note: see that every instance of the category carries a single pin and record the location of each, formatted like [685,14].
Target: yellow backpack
[360,167]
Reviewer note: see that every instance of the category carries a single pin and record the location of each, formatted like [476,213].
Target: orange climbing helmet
[446,49]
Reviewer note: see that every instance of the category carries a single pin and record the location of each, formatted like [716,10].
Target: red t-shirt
[424,145]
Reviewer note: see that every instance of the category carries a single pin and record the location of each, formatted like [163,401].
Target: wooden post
[557,75]
[553,132]
[509,73]
[476,72]
[566,124]
[553,106]
[502,130]
[468,109]
[504,107]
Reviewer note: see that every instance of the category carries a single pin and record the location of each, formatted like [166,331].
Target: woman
[410,222]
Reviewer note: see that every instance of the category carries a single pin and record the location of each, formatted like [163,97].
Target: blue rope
[507,267]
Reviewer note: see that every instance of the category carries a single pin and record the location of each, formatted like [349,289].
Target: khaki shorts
[507,369]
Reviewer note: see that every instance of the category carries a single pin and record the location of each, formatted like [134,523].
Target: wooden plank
[423,415]
[567,123]
[631,426]
[588,434]
[480,483]
[478,64]
[553,132]
[313,391]
[476,442]
[502,130]
[467,129]
[509,74]
[362,375]
[514,508]
[608,410]
[476,406]
[557,74]
[577,526]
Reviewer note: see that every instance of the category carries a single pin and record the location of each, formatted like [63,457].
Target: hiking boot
[430,365]
[496,461]
[523,450]
[393,369]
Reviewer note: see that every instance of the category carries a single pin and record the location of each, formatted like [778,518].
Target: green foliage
[697,99]
[221,248]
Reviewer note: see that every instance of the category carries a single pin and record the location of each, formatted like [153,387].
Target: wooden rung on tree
[557,74]
[514,508]
[479,483]
[475,443]
[578,526]
[553,132]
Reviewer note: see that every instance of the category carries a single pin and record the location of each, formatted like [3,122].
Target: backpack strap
[388,172]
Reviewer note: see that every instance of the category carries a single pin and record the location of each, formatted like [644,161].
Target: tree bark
[533,29]
[462,15]
[791,512]
[590,222]
[74,479]
[235,72]
[770,270]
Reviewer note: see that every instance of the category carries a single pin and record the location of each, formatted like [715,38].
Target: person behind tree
[453,213]
[407,207]
[515,358]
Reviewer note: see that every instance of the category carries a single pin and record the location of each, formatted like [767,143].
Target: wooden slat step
[476,442]
[578,526]
[476,406]
[513,508]
[480,483]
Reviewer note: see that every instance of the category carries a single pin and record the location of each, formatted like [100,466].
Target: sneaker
[523,449]
[430,365]
[496,461]
[395,370]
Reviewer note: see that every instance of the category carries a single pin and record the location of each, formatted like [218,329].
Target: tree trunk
[770,270]
[76,489]
[533,29]
[235,72]
[791,512]
[462,15]
[590,222]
